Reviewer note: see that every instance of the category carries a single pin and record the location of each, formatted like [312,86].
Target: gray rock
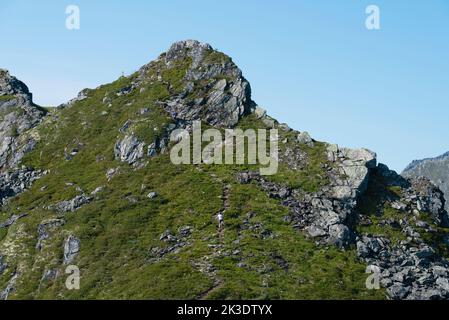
[17,181]
[398,291]
[339,234]
[97,190]
[3,265]
[111,173]
[435,169]
[443,284]
[315,232]
[44,228]
[50,275]
[10,288]
[73,204]
[225,98]
[259,112]
[152,195]
[129,150]
[304,138]
[12,220]
[71,249]
[18,115]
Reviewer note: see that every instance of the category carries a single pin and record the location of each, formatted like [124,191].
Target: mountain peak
[193,48]
[13,91]
[204,84]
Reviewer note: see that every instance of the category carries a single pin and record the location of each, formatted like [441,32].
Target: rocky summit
[90,184]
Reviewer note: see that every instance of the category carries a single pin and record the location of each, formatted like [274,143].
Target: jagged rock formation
[213,88]
[411,268]
[435,169]
[18,115]
[138,216]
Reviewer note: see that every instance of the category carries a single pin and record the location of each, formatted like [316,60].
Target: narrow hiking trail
[217,248]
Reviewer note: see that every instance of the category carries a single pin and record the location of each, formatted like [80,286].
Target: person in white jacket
[220,219]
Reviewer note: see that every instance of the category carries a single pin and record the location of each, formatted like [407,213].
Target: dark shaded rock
[17,181]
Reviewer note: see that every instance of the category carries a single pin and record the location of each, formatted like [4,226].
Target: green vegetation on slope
[257,256]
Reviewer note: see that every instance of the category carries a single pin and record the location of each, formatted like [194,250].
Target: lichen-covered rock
[10,221]
[130,149]
[18,114]
[71,249]
[221,95]
[44,228]
[73,204]
[354,166]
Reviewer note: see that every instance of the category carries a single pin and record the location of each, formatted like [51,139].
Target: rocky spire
[212,89]
[18,114]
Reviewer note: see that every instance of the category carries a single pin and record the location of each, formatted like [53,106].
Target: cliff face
[96,188]
[17,115]
[435,169]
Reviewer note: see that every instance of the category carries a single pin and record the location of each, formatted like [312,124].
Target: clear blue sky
[312,64]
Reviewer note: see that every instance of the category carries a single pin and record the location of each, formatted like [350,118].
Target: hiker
[220,220]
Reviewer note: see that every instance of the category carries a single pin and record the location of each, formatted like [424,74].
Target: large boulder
[354,166]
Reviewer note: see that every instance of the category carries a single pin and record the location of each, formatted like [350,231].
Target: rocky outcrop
[195,82]
[324,215]
[73,204]
[129,150]
[435,169]
[213,88]
[3,265]
[15,182]
[10,221]
[408,271]
[353,168]
[10,287]
[172,243]
[44,228]
[18,114]
[71,249]
[411,269]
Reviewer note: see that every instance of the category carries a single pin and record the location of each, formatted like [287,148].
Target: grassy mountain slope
[168,246]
